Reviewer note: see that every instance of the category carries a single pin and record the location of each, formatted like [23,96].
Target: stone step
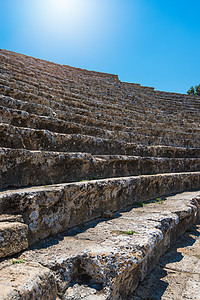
[26,280]
[143,136]
[60,69]
[43,110]
[139,88]
[30,88]
[66,115]
[21,168]
[48,210]
[33,139]
[105,110]
[14,83]
[103,259]
[177,275]
[116,107]
[13,234]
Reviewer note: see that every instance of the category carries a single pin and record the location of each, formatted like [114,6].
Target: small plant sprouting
[130,232]
[158,200]
[18,261]
[140,204]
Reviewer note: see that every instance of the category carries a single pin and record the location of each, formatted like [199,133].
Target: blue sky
[151,42]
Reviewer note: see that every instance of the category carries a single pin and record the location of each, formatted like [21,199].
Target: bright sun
[75,23]
[60,11]
[65,16]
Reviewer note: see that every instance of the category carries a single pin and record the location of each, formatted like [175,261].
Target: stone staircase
[87,166]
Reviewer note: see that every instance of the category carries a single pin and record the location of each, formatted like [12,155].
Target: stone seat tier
[30,88]
[47,68]
[70,114]
[68,105]
[139,88]
[95,106]
[140,101]
[13,234]
[185,101]
[44,110]
[119,94]
[48,210]
[141,136]
[33,139]
[103,259]
[44,189]
[83,72]
[21,168]
[77,264]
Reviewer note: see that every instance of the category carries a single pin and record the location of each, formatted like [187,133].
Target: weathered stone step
[39,109]
[48,210]
[23,119]
[32,139]
[52,66]
[177,275]
[104,259]
[13,234]
[20,168]
[55,102]
[66,115]
[45,87]
[46,68]
[26,280]
[115,107]
[110,100]
[142,136]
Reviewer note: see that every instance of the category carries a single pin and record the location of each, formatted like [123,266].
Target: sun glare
[58,12]
[77,24]
[66,18]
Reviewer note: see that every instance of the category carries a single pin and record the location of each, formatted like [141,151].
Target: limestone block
[32,139]
[51,209]
[23,280]
[13,238]
[20,168]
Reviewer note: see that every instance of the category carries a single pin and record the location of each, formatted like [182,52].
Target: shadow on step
[75,231]
[154,286]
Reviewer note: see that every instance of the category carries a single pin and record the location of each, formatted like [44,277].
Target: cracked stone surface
[21,167]
[26,280]
[48,210]
[177,275]
[113,255]
[13,238]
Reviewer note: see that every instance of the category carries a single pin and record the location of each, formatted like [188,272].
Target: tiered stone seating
[75,146]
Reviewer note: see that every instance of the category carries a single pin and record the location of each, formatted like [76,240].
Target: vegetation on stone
[18,261]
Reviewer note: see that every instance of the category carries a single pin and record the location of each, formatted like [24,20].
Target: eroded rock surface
[26,280]
[52,209]
[13,237]
[177,275]
[107,258]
